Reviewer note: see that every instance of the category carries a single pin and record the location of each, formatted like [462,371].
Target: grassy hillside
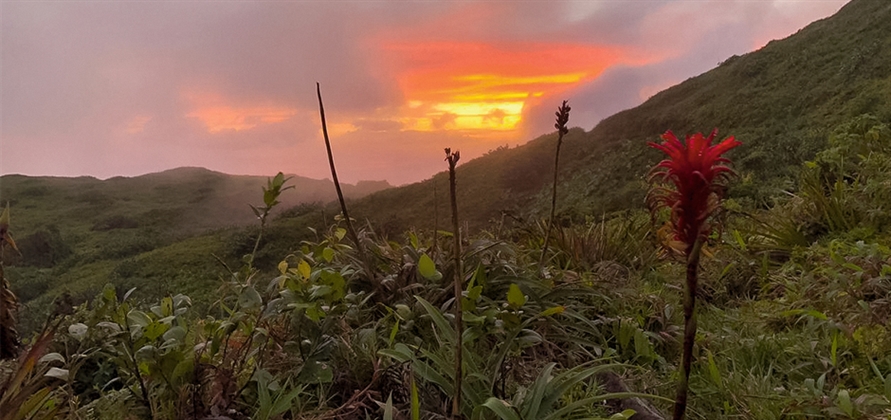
[780,101]
[125,216]
[77,234]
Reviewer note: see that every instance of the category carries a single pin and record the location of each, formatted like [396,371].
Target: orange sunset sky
[127,88]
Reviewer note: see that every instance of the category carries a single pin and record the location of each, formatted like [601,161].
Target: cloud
[219,114]
[123,88]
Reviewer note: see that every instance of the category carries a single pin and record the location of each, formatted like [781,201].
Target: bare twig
[343,208]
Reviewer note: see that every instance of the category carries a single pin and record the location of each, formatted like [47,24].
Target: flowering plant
[695,169]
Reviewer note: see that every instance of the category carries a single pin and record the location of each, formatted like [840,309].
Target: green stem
[544,249]
[132,359]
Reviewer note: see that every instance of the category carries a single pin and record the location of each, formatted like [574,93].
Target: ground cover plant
[793,318]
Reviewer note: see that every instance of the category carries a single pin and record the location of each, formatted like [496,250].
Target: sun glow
[479,88]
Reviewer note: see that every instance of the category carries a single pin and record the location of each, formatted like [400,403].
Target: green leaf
[853,267]
[552,311]
[176,333]
[328,254]
[502,408]
[473,293]
[445,328]
[833,351]
[57,373]
[314,312]
[713,371]
[138,318]
[401,353]
[32,404]
[147,352]
[166,306]
[109,293]
[393,332]
[339,233]
[809,312]
[337,283]
[515,296]
[642,346]
[320,291]
[304,269]
[283,267]
[415,399]
[624,415]
[249,298]
[256,211]
[155,330]
[427,268]
[184,369]
[52,357]
[325,374]
[388,408]
[181,301]
[78,330]
[844,402]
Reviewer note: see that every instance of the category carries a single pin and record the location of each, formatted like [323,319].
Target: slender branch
[562,118]
[693,253]
[435,220]
[132,359]
[453,158]
[343,208]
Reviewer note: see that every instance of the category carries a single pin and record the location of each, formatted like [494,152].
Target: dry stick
[453,158]
[562,118]
[435,220]
[680,404]
[343,207]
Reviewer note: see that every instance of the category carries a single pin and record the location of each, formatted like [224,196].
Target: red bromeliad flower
[695,167]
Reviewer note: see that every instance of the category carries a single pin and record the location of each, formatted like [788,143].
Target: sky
[108,88]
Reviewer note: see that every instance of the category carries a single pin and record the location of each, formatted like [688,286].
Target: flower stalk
[694,172]
[452,159]
[562,115]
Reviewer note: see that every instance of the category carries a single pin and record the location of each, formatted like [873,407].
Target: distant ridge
[200,198]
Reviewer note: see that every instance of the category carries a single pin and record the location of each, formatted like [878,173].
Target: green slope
[179,202]
[780,101]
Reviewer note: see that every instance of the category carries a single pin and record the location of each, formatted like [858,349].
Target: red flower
[695,167]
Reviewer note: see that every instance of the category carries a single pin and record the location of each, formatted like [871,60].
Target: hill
[79,233]
[780,101]
[183,200]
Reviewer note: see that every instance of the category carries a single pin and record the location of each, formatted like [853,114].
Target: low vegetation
[793,319]
[505,313]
